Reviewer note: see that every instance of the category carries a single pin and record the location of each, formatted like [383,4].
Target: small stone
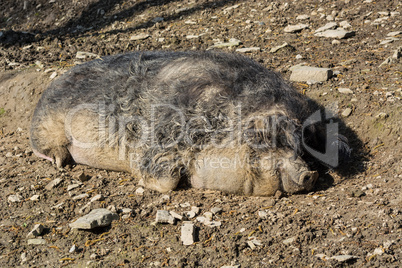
[53,183]
[216,210]
[35,197]
[345,90]
[190,22]
[303,17]
[93,256]
[80,196]
[53,75]
[328,26]
[386,41]
[15,198]
[185,205]
[140,36]
[230,8]
[346,112]
[208,216]
[277,48]
[187,233]
[248,49]
[39,64]
[190,214]
[176,215]
[73,186]
[165,199]
[97,197]
[338,33]
[9,154]
[345,24]
[139,191]
[73,249]
[289,240]
[378,251]
[163,216]
[397,53]
[126,210]
[306,73]
[343,258]
[36,231]
[23,258]
[356,193]
[96,218]
[295,28]
[299,57]
[233,42]
[382,115]
[36,241]
[262,214]
[251,245]
[84,55]
[336,42]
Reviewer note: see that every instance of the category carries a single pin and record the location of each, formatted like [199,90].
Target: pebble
[126,210]
[185,205]
[233,42]
[36,231]
[165,199]
[208,216]
[97,197]
[9,154]
[345,90]
[53,75]
[277,48]
[15,198]
[299,57]
[96,218]
[73,186]
[84,55]
[378,251]
[23,258]
[187,233]
[216,210]
[345,24]
[163,216]
[343,258]
[338,33]
[382,115]
[35,197]
[73,249]
[397,53]
[289,240]
[262,214]
[139,191]
[328,26]
[140,36]
[190,214]
[306,73]
[336,42]
[81,196]
[53,183]
[346,112]
[248,49]
[295,28]
[303,17]
[36,241]
[176,215]
[386,41]
[190,22]
[251,245]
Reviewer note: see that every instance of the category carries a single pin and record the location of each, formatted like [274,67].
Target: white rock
[303,17]
[80,196]
[139,191]
[190,22]
[386,41]
[53,183]
[187,233]
[126,210]
[97,197]
[345,24]
[216,210]
[328,26]
[397,53]
[345,90]
[176,215]
[73,186]
[289,240]
[36,231]
[15,198]
[248,49]
[84,55]
[140,36]
[378,251]
[295,28]
[251,245]
[208,215]
[336,42]
[96,218]
[73,249]
[343,258]
[190,214]
[275,49]
[337,33]
[346,112]
[306,73]
[299,57]
[36,241]
[262,214]
[163,216]
[35,197]
[233,42]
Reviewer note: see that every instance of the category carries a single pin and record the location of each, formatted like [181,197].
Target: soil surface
[352,218]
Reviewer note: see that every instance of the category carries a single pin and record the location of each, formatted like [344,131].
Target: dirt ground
[353,218]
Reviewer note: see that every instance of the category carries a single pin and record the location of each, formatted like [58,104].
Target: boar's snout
[307,179]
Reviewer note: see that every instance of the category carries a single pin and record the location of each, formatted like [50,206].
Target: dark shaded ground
[358,213]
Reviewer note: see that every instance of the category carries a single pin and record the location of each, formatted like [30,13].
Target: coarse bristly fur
[126,112]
